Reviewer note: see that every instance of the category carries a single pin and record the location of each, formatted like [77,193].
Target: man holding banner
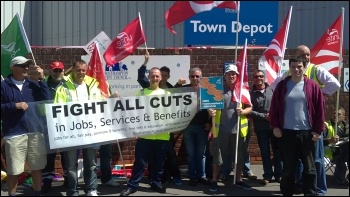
[80,87]
[155,145]
[21,145]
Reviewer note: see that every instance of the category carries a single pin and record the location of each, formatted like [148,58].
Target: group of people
[22,145]
[288,116]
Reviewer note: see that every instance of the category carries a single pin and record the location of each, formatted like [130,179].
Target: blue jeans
[90,176]
[321,181]
[196,139]
[265,140]
[144,148]
[246,165]
[105,162]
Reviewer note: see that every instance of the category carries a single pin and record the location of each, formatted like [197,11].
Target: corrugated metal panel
[75,23]
[311,19]
[9,10]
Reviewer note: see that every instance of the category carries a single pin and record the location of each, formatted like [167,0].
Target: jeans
[143,150]
[196,139]
[293,145]
[246,165]
[321,181]
[105,162]
[265,140]
[89,164]
[49,171]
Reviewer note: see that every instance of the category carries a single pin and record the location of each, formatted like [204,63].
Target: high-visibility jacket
[330,133]
[243,124]
[161,136]
[311,73]
[67,92]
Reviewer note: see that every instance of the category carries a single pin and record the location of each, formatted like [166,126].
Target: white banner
[122,77]
[82,123]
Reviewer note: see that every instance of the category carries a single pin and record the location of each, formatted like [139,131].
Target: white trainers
[112,183]
[92,193]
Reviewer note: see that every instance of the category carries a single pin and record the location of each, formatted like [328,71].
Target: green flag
[14,42]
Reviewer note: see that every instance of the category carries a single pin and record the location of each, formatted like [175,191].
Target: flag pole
[121,156]
[339,68]
[239,105]
[286,37]
[25,35]
[238,10]
[142,29]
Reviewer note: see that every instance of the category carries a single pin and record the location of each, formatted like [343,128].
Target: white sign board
[284,68]
[346,79]
[103,42]
[122,77]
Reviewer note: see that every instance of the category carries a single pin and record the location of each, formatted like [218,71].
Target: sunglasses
[57,70]
[22,65]
[258,76]
[195,76]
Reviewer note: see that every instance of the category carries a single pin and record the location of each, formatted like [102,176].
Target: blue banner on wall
[258,22]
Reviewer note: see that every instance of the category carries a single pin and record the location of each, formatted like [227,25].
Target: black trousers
[296,144]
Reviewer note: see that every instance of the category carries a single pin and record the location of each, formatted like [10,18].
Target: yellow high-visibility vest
[327,149]
[243,124]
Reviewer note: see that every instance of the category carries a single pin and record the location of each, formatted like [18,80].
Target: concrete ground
[227,189]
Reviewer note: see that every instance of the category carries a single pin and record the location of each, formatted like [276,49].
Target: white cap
[20,60]
[231,67]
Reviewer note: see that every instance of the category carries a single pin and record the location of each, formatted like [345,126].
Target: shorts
[227,144]
[28,148]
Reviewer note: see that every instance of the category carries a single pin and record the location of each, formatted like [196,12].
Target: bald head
[303,51]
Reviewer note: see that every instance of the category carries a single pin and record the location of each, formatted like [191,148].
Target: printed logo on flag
[10,47]
[125,40]
[333,36]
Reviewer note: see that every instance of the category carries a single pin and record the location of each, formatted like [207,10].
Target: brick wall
[210,61]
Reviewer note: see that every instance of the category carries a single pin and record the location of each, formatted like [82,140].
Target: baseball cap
[231,67]
[57,65]
[21,60]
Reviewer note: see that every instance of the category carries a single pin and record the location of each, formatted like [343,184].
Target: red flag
[182,10]
[326,51]
[272,57]
[125,43]
[242,80]
[95,70]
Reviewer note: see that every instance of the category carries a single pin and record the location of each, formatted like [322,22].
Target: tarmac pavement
[225,189]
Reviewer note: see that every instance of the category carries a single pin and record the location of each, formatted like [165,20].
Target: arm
[331,84]
[257,115]
[141,75]
[319,106]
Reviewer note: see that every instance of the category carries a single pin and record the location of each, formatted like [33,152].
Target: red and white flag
[182,10]
[326,51]
[242,87]
[95,70]
[125,43]
[272,57]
